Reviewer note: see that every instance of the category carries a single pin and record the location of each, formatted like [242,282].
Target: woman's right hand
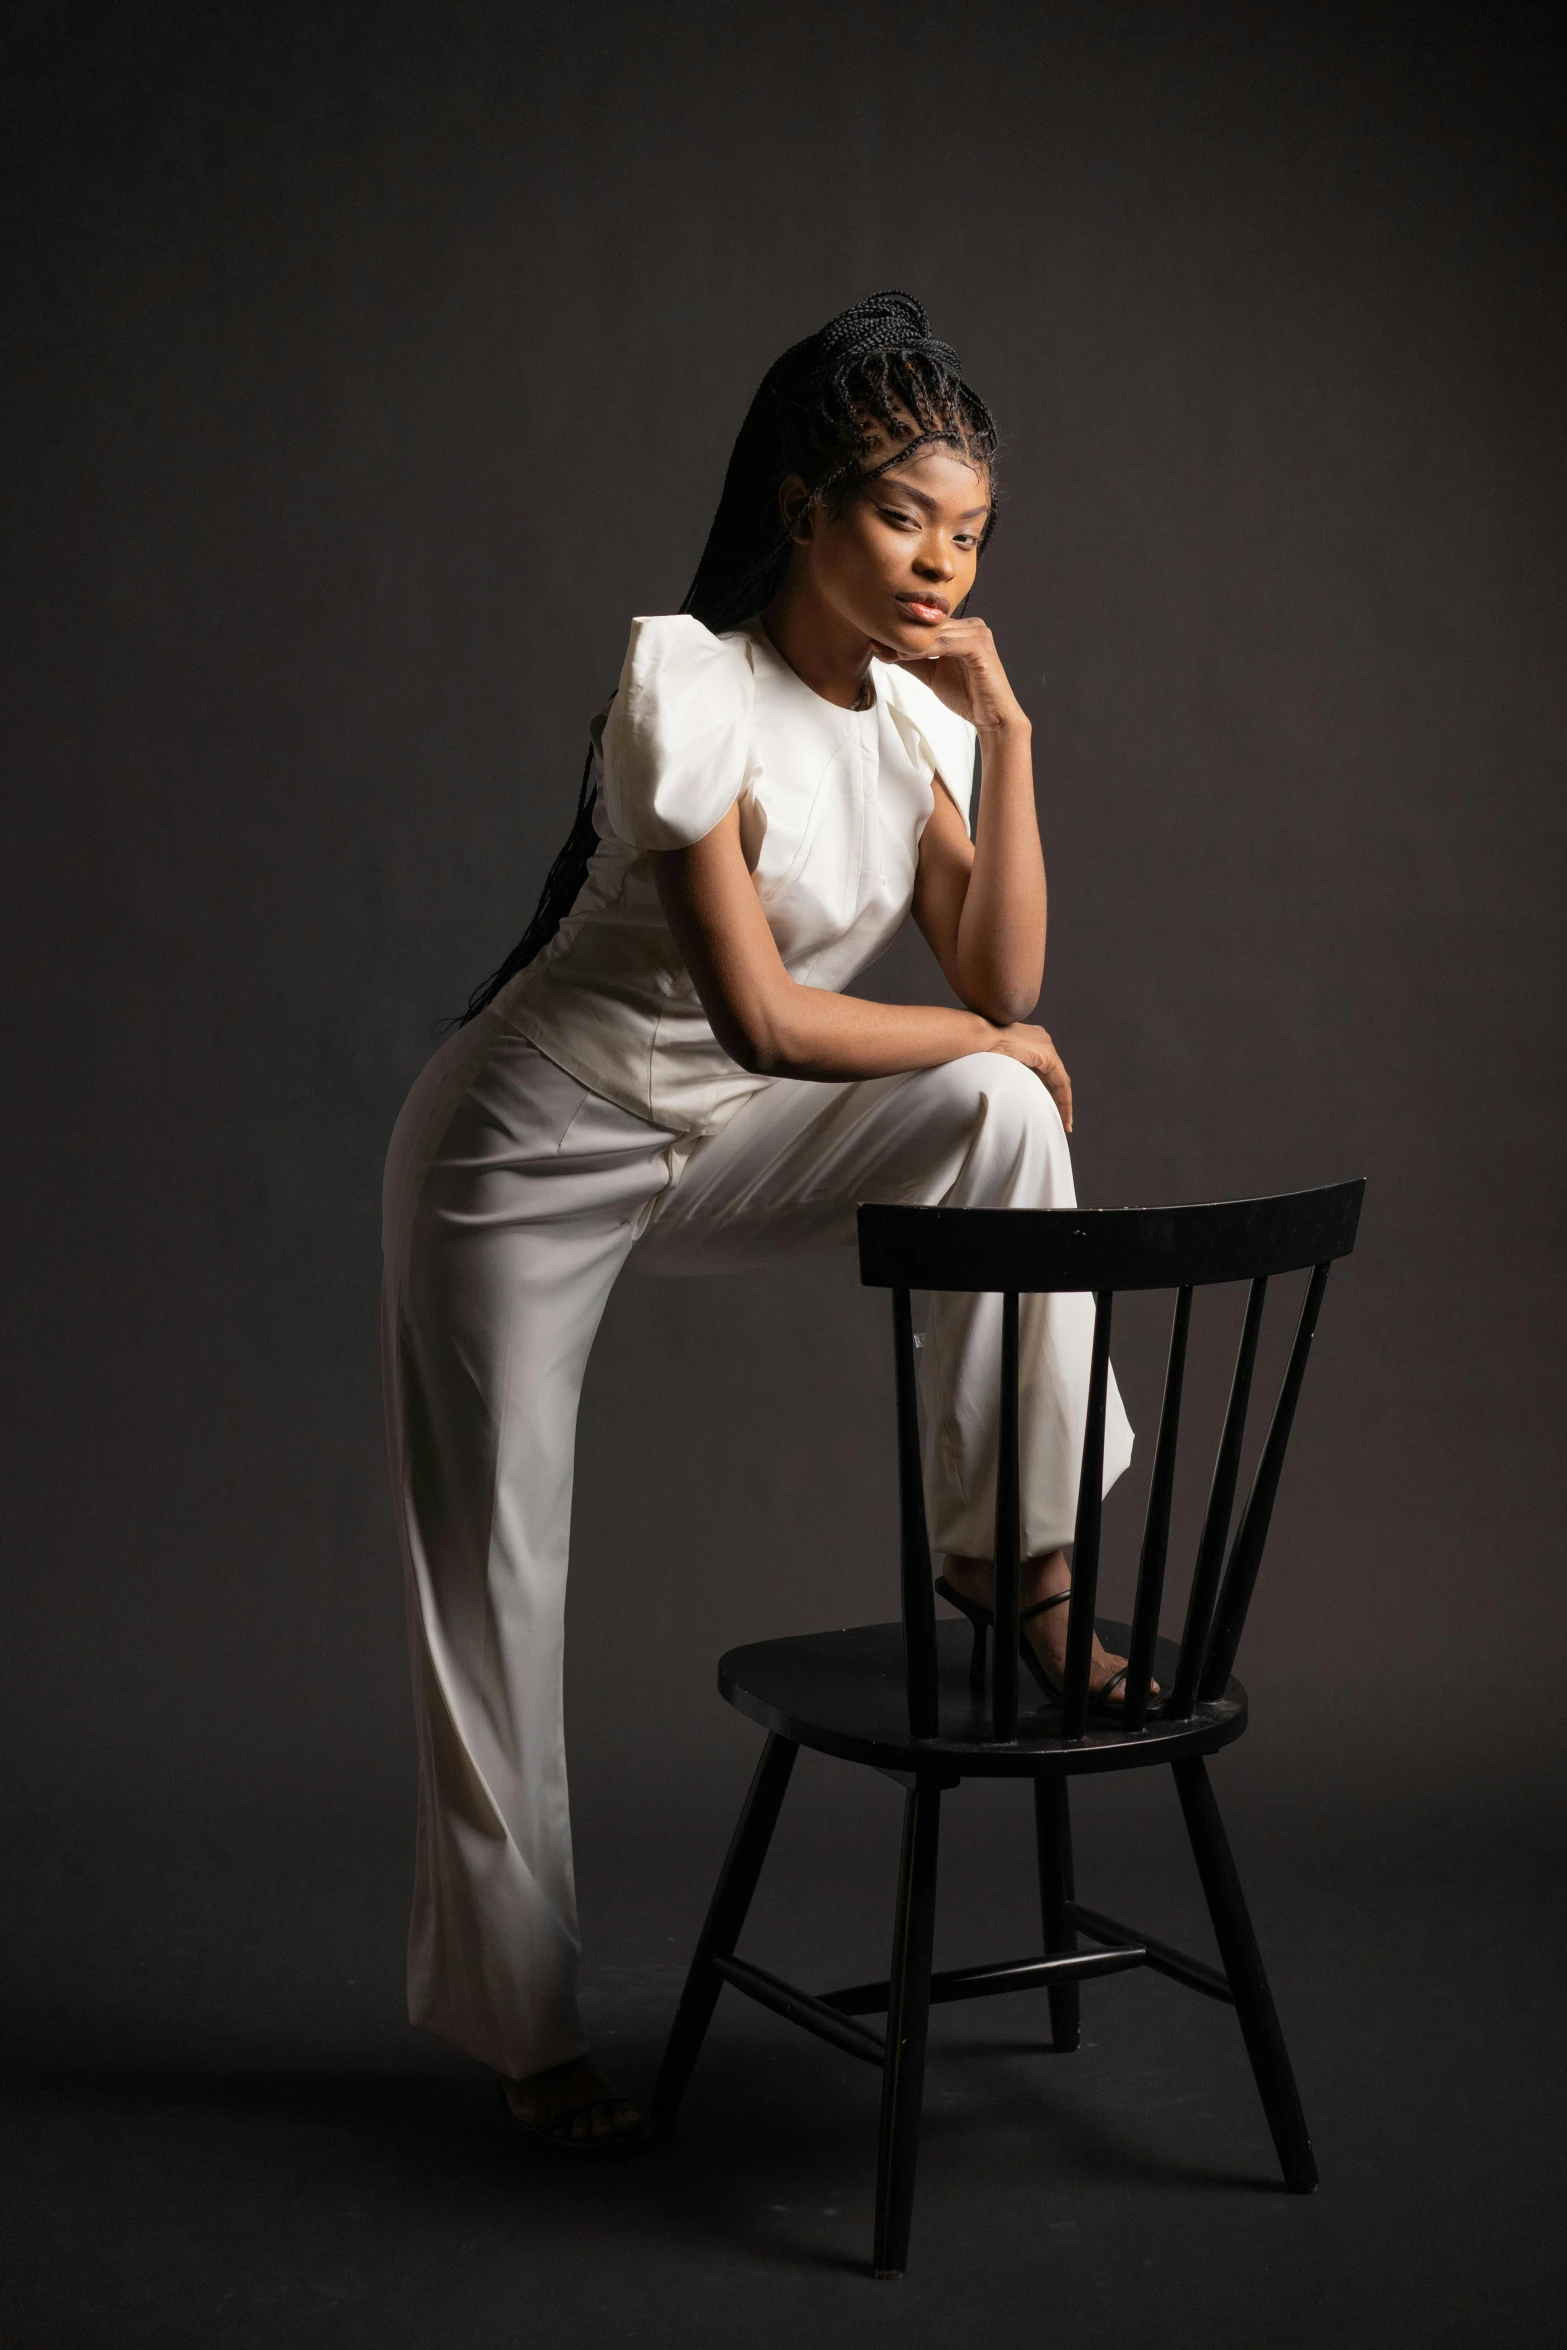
[1034,1048]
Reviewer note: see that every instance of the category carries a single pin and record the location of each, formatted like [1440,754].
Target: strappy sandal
[983,1620]
[555,2134]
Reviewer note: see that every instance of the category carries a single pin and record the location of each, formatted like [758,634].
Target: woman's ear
[794,505]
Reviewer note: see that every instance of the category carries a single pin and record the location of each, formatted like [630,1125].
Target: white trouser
[513,1198]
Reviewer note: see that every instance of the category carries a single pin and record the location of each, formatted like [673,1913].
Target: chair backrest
[1019,1251]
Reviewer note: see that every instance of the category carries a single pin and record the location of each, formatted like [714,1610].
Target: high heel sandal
[556,2133]
[982,1619]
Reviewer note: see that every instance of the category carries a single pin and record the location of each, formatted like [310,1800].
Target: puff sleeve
[677,740]
[937,737]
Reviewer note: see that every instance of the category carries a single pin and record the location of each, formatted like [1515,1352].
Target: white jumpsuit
[589,1116]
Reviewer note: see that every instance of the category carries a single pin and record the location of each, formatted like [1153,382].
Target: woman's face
[897,564]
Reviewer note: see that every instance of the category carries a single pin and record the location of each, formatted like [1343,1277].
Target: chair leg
[908,2016]
[1057,1886]
[1243,1965]
[976,1664]
[725,1917]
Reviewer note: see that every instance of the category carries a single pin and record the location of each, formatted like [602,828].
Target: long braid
[562,884]
[815,415]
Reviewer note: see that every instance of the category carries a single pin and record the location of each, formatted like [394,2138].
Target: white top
[832,805]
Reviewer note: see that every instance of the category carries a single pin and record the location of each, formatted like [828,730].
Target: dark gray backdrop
[364,372]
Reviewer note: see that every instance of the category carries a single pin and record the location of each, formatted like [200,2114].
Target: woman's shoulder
[676,737]
[907,691]
[678,674]
[947,741]
[671,646]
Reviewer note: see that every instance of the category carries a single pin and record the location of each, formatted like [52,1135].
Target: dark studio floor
[218,2129]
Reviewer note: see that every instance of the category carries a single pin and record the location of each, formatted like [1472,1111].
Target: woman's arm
[983,907]
[775,1027]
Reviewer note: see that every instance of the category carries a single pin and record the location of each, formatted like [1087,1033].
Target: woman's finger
[1060,1088]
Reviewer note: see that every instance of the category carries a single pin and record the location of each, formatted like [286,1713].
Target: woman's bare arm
[775,1027]
[983,907]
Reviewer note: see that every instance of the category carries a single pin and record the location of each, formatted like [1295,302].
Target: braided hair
[819,412]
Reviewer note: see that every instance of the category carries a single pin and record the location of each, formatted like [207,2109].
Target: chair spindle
[919,1599]
[1009,1536]
[1085,1539]
[1216,1523]
[1156,1526]
[1240,1577]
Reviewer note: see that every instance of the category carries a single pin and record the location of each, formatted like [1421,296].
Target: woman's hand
[1033,1047]
[982,905]
[962,666]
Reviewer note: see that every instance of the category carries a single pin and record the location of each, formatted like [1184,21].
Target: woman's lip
[924,607]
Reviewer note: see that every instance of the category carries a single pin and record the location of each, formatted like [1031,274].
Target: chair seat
[843,1693]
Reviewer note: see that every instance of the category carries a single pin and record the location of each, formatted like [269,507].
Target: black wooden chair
[905,1699]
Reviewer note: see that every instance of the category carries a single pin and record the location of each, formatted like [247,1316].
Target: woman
[666,1066]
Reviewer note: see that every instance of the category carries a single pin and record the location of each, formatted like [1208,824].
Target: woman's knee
[994,1089]
[1017,1149]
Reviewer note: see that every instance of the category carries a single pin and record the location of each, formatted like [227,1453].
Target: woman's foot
[1042,1578]
[572,2105]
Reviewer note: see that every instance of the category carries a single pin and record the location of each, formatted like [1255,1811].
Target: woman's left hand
[963,667]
